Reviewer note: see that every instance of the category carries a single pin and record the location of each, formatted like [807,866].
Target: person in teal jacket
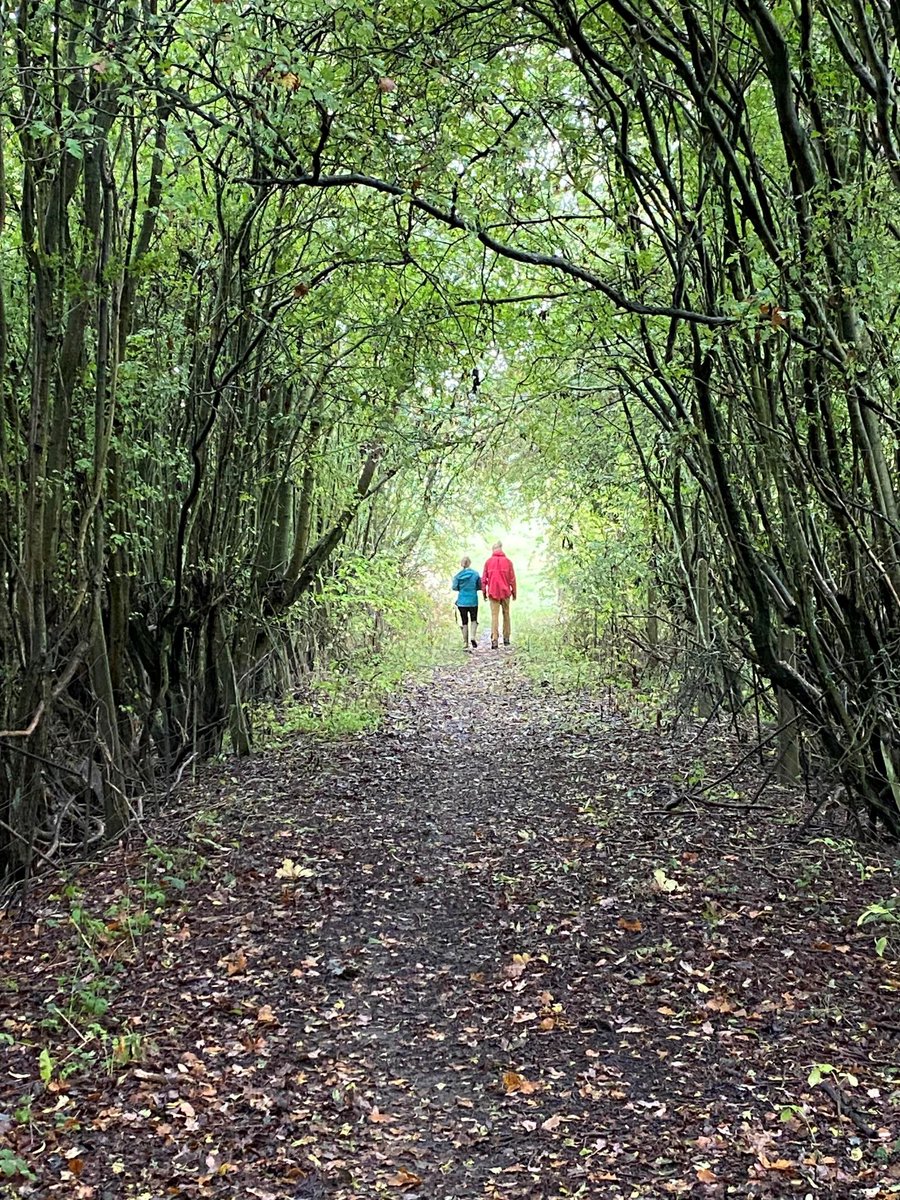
[467,584]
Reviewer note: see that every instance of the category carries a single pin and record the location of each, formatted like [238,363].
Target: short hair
[466,561]
[497,546]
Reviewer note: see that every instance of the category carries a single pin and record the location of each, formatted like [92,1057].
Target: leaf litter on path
[507,974]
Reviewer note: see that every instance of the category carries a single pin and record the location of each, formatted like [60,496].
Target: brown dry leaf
[234,963]
[705,1175]
[520,1018]
[380,1118]
[514,1082]
[780,1164]
[404,1179]
[552,1123]
[547,1024]
[633,926]
[719,1004]
[266,1016]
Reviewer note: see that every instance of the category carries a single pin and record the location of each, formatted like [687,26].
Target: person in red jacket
[498,584]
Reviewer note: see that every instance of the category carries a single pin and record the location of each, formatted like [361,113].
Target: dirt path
[492,967]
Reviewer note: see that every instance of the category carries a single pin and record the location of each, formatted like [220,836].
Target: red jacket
[498,579]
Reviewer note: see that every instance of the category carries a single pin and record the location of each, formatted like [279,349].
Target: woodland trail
[491,967]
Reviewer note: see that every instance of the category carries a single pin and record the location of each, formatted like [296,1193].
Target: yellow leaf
[290,870]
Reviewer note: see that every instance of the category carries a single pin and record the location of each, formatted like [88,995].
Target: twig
[845,1108]
[25,842]
[10,733]
[708,787]
[47,762]
[698,798]
[61,684]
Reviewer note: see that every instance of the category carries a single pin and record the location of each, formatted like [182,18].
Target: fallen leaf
[290,870]
[235,962]
[266,1016]
[780,1164]
[552,1123]
[380,1118]
[513,1082]
[404,1179]
[633,926]
[520,1018]
[705,1175]
[663,883]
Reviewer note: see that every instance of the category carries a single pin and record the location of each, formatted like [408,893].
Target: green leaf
[45,1065]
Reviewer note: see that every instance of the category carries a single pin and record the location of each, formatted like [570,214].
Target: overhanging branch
[532,258]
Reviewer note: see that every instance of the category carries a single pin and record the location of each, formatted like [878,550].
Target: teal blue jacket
[468,583]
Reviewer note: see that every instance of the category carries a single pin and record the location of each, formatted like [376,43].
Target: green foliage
[886,914]
[551,659]
[45,1066]
[12,1166]
[384,630]
[266,322]
[82,1026]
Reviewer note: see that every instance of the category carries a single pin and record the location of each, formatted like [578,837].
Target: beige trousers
[498,606]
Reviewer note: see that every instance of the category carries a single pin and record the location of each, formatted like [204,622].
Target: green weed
[11,1166]
[886,914]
